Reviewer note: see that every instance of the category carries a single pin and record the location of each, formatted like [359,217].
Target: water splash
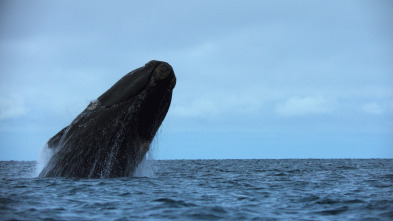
[146,166]
[43,158]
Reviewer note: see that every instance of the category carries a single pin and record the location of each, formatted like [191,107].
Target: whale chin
[112,135]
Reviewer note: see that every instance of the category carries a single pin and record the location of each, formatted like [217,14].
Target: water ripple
[207,190]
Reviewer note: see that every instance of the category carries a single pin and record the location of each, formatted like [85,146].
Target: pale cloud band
[12,107]
[296,106]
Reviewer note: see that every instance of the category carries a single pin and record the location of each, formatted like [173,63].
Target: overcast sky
[255,79]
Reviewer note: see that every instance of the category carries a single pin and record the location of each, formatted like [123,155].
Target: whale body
[112,135]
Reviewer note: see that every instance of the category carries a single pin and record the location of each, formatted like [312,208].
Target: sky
[255,79]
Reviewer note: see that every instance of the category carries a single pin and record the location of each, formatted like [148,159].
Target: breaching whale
[112,135]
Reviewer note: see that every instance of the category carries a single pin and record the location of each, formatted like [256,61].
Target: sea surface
[311,189]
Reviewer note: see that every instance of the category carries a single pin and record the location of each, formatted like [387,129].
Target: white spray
[147,166]
[43,158]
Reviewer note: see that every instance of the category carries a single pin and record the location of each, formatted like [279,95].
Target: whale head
[147,91]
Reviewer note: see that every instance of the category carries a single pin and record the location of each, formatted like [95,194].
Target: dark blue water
[207,190]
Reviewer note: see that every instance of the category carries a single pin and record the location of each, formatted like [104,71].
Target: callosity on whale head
[112,135]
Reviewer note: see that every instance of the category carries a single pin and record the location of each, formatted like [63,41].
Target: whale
[113,134]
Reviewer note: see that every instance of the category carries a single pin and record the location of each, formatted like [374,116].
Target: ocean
[309,189]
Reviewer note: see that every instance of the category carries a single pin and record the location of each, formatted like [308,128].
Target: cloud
[297,106]
[377,107]
[198,107]
[373,108]
[12,107]
[217,105]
